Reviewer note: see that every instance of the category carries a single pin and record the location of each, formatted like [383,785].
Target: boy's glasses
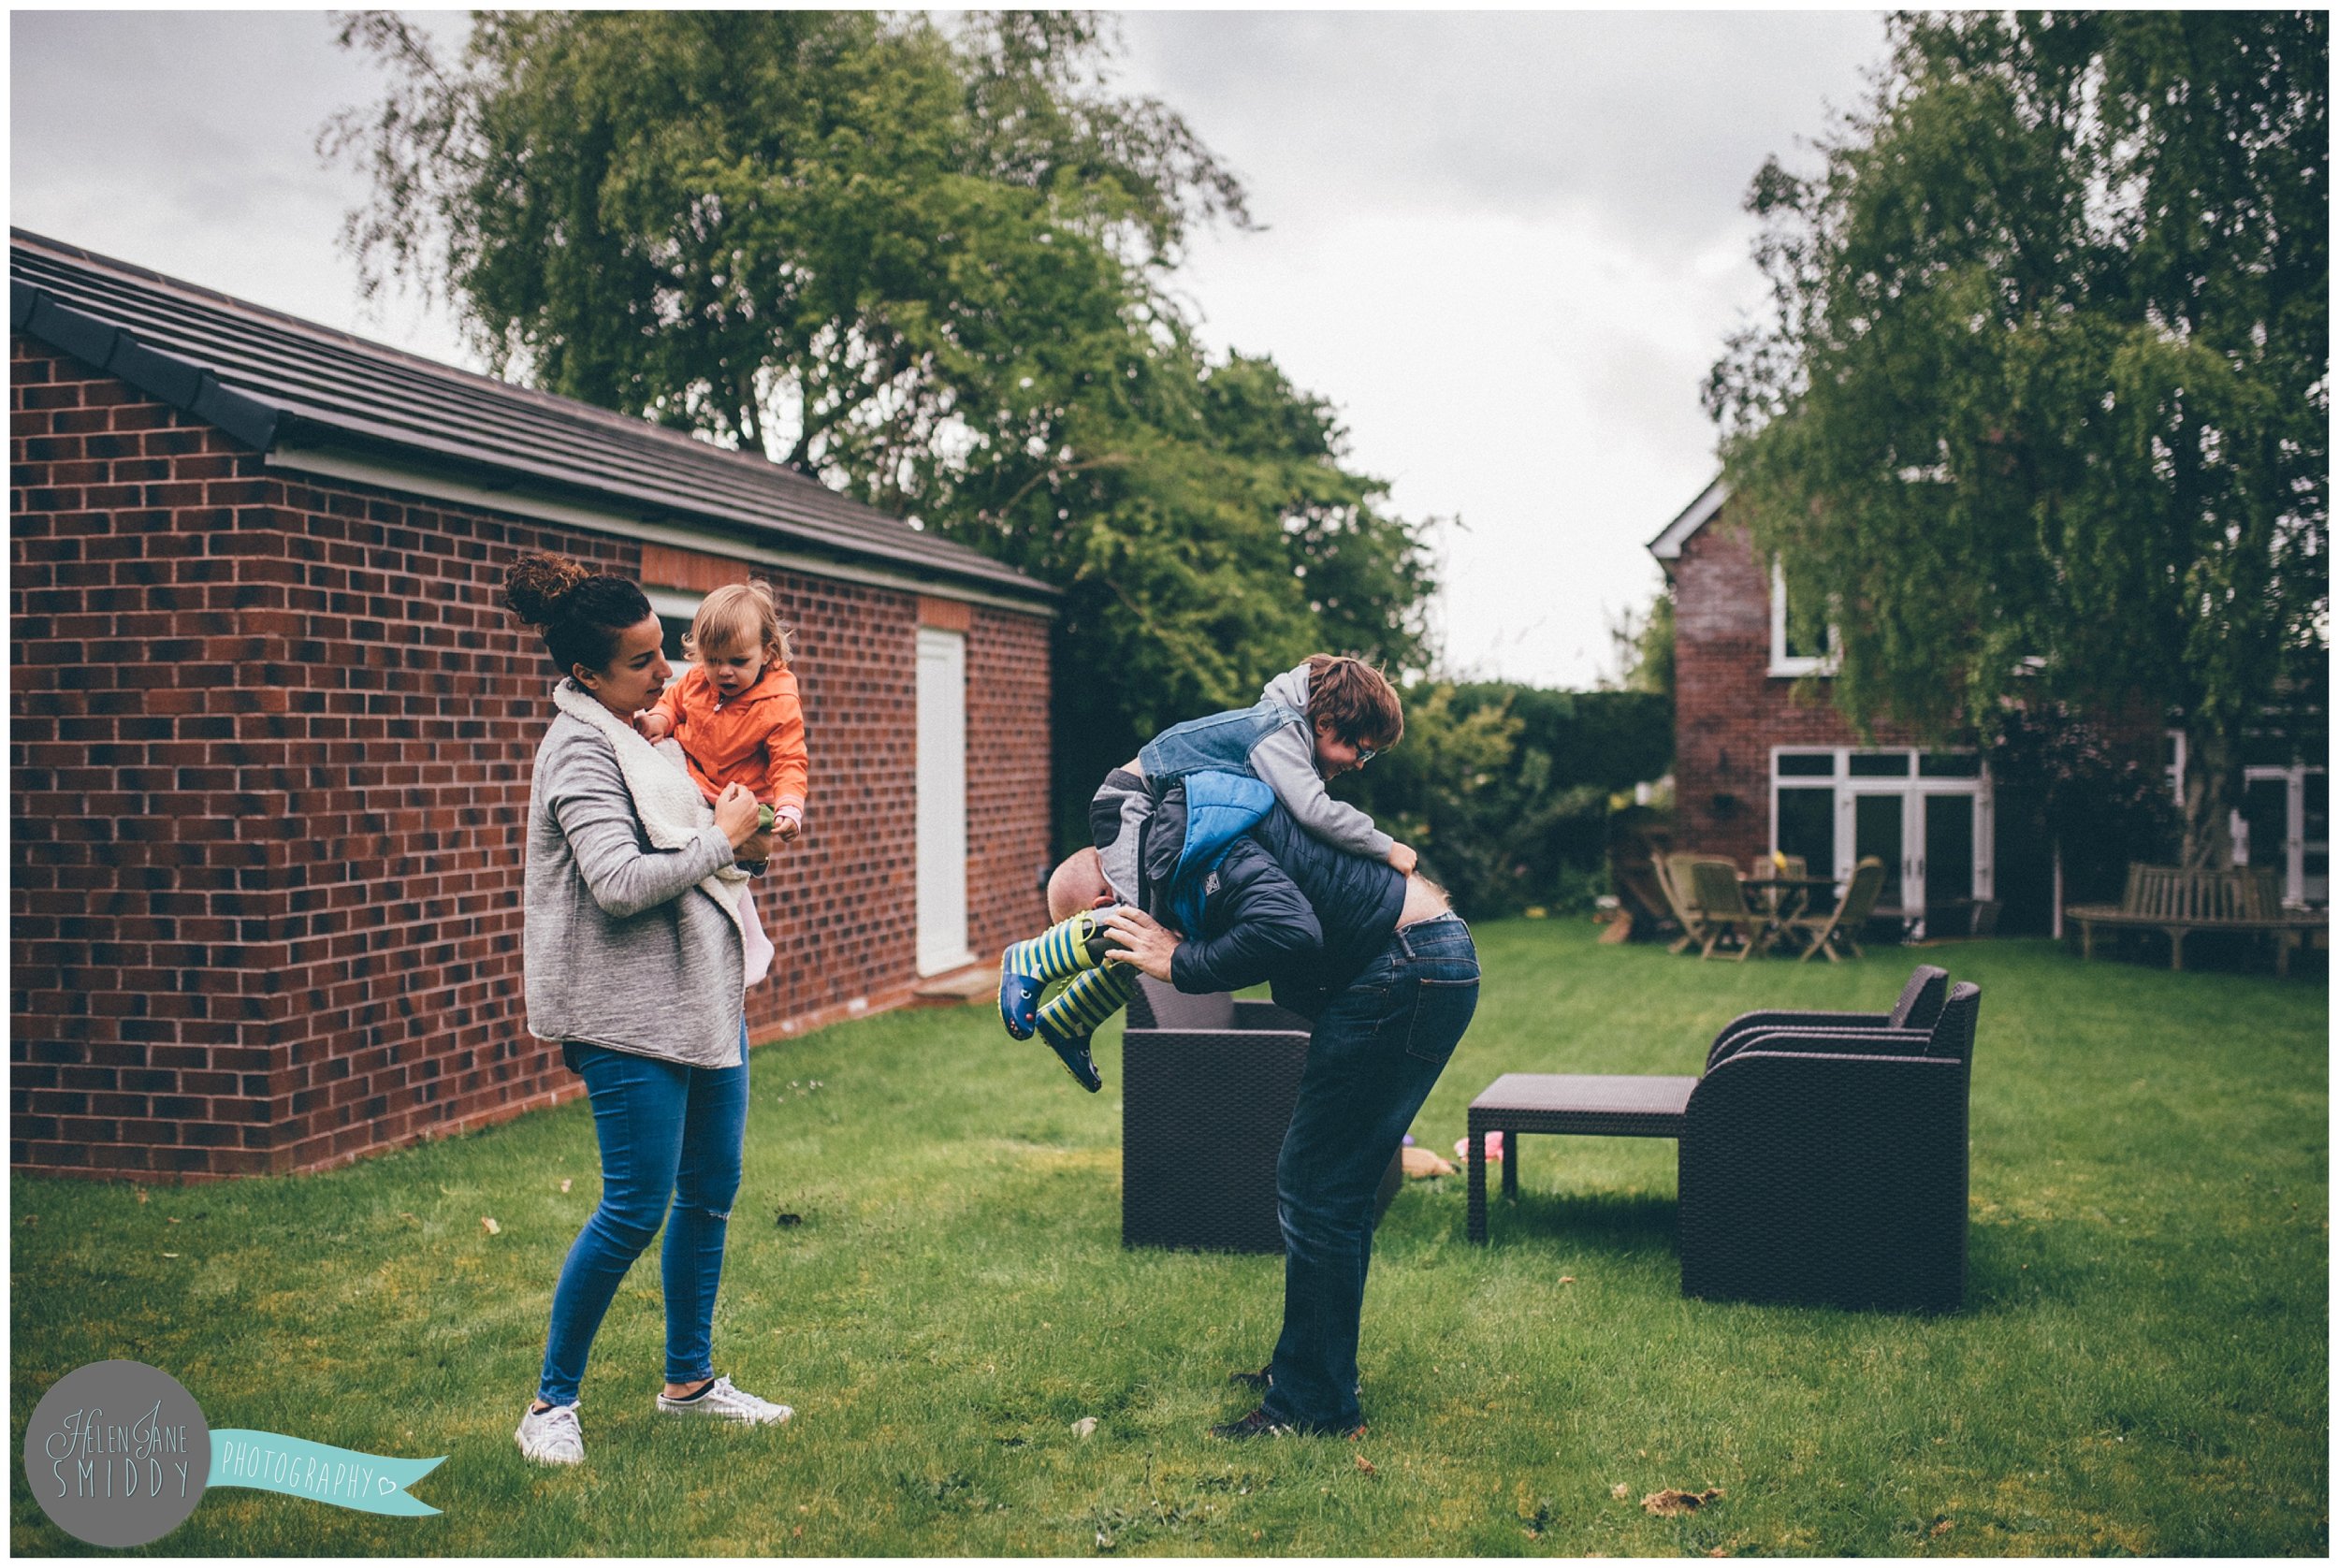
[1365,754]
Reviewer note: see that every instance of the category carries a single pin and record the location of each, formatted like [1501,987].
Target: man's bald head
[1078,884]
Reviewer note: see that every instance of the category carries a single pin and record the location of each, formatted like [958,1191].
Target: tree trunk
[2209,795]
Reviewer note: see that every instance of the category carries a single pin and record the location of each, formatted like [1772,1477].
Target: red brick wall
[269,761]
[1007,779]
[1729,710]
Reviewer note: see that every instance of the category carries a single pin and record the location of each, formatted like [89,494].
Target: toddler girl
[734,712]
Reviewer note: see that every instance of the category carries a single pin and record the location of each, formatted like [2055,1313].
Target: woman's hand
[1144,942]
[736,812]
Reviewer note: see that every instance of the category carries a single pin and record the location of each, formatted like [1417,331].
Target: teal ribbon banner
[370,1482]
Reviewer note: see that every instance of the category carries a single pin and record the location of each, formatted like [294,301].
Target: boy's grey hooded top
[1271,741]
[1284,760]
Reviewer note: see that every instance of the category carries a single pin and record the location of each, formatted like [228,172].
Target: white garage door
[941,801]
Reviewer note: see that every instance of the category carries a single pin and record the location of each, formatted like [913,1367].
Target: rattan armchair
[1917,1007]
[1207,1086]
[1829,1167]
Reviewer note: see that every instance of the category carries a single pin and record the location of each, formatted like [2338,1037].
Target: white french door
[1926,815]
[941,801]
[1932,834]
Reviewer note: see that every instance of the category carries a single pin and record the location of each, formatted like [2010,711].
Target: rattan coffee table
[1595,1105]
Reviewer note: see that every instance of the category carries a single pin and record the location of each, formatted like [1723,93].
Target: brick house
[272,731]
[1760,765]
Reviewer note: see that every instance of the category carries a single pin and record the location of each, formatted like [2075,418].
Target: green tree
[1642,642]
[928,266]
[2042,409]
[1507,790]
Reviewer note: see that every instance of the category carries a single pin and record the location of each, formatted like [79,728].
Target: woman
[636,961]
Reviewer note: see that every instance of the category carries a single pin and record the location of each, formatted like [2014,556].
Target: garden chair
[1838,928]
[1828,1167]
[1677,901]
[1722,904]
[1680,889]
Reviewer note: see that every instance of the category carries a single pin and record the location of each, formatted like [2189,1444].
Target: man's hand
[1144,942]
[1402,860]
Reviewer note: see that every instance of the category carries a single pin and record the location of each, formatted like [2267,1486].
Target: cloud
[1661,117]
[1507,246]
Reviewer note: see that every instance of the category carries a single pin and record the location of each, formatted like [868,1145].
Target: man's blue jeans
[1377,1051]
[671,1135]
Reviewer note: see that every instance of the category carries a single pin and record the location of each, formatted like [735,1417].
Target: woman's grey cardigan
[623,948]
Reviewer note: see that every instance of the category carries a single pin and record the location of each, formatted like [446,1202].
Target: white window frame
[1783,664]
[667,604]
[2291,855]
[1913,783]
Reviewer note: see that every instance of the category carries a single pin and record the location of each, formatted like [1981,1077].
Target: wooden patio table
[1783,898]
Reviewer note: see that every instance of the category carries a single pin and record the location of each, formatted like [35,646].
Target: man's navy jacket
[1279,905]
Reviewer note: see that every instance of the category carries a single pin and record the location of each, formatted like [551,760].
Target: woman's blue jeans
[1376,1053]
[670,1141]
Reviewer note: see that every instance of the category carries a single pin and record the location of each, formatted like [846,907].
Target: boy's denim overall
[1219,743]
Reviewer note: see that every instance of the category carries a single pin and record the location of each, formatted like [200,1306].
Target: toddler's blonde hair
[739,615]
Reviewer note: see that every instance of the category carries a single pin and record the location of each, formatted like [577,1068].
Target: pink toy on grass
[1494,1147]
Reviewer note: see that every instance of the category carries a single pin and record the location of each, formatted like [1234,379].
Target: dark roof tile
[260,375]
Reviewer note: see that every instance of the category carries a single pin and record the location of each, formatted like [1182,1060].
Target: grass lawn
[2142,1367]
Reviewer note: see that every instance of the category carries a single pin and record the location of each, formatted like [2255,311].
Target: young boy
[1313,722]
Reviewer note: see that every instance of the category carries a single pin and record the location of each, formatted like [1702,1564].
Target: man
[1388,977]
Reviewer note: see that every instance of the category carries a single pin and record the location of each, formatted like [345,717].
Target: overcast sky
[1505,245]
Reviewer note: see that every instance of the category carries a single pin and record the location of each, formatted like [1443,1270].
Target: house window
[1801,640]
[675,612]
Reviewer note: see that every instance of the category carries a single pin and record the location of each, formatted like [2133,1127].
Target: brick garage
[271,729]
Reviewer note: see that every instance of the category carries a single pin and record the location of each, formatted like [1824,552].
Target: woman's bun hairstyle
[578,610]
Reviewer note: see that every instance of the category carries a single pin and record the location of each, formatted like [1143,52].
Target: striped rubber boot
[1068,948]
[1072,1015]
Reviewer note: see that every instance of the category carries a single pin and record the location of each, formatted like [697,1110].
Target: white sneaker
[721,1401]
[552,1436]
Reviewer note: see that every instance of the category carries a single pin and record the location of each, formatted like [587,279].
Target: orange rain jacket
[756,738]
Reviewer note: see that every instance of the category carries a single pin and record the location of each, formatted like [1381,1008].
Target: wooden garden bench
[2177,901]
